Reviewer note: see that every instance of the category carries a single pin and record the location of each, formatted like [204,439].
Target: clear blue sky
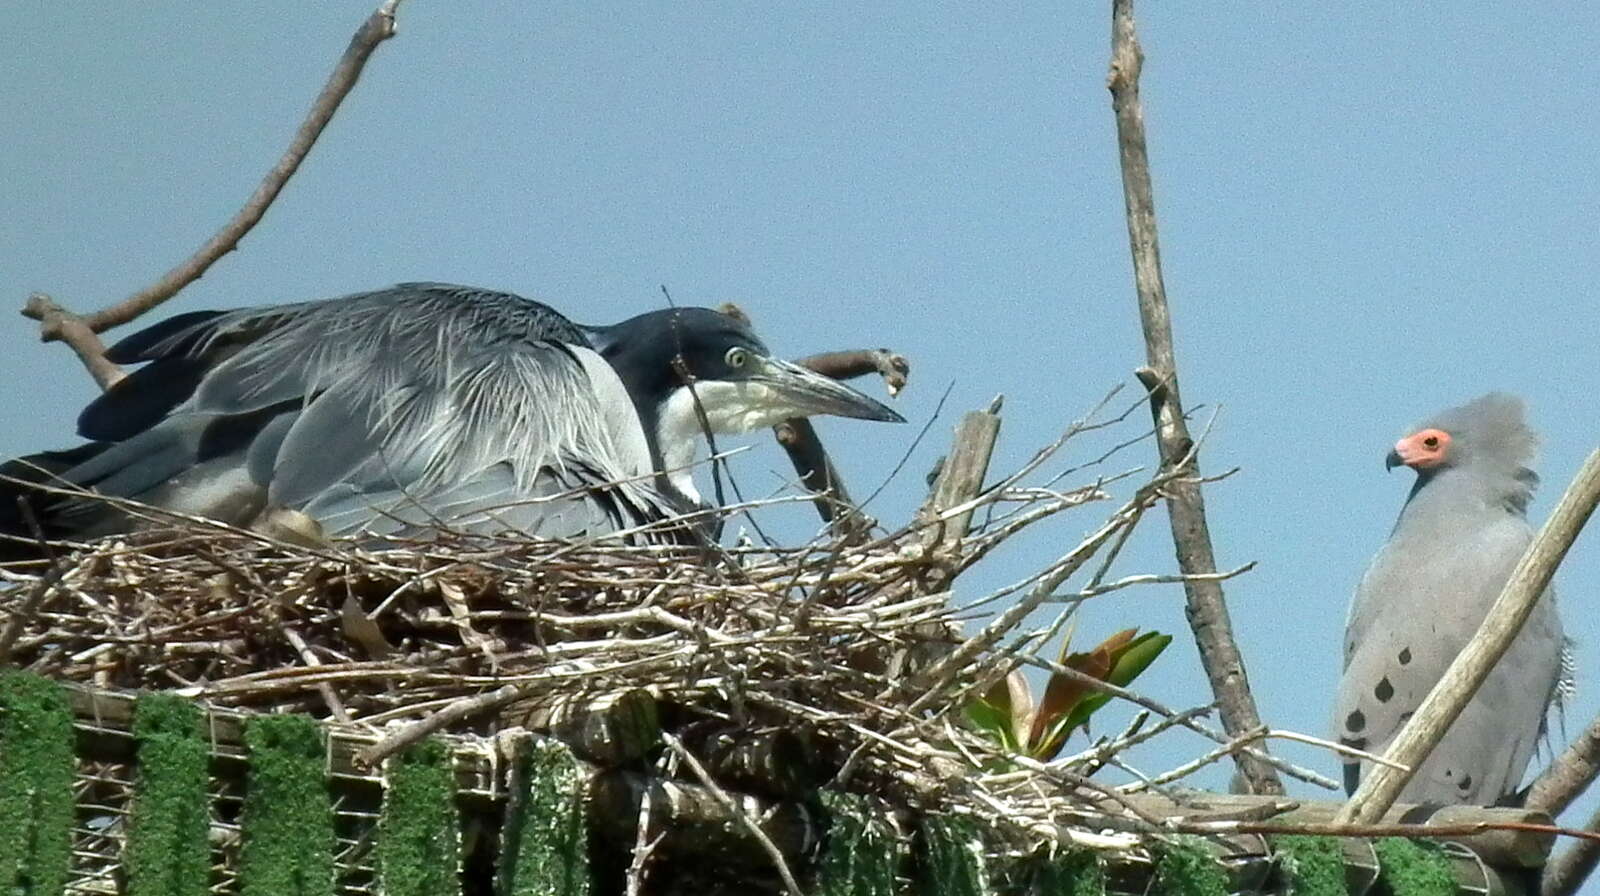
[1369,212]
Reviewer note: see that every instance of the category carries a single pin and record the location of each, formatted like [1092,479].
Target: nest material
[778,668]
[382,637]
[840,655]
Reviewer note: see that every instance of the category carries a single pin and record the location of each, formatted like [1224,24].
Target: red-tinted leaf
[1062,693]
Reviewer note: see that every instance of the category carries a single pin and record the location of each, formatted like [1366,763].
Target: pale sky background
[1369,212]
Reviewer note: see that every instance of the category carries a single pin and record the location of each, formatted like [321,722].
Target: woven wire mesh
[105,785]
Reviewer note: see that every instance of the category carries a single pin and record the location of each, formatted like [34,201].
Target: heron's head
[693,369]
[674,358]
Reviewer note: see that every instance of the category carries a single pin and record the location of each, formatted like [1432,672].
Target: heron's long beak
[806,393]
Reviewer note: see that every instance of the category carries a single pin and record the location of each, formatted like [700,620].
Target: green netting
[1077,873]
[1312,866]
[952,858]
[1184,867]
[288,816]
[36,767]
[1413,868]
[419,836]
[167,852]
[862,852]
[545,850]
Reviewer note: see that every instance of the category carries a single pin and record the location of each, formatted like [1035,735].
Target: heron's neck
[677,433]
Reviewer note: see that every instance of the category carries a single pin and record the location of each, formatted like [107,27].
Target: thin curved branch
[79,332]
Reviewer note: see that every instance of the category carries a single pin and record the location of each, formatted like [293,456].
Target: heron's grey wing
[416,391]
[491,502]
[245,360]
[1413,612]
[188,463]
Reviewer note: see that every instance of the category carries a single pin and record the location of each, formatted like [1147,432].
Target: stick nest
[849,649]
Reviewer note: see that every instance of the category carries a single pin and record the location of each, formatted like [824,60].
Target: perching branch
[1206,608]
[1569,774]
[80,333]
[1511,609]
[1565,873]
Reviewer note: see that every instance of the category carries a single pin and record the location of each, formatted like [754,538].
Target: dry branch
[961,477]
[1505,618]
[80,332]
[1206,608]
[1569,774]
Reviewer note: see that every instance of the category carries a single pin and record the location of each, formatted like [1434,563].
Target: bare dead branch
[820,477]
[1207,610]
[894,369]
[1511,609]
[961,477]
[57,323]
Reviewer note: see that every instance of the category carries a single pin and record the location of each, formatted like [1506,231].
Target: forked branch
[81,332]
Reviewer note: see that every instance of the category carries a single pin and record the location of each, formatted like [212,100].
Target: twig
[455,712]
[24,614]
[329,696]
[1569,774]
[1374,829]
[892,367]
[1207,610]
[1188,768]
[56,323]
[1510,610]
[643,844]
[733,809]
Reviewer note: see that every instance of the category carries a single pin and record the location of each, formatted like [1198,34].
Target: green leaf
[1130,661]
[1002,711]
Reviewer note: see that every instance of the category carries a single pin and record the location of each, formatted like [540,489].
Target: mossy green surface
[167,852]
[1413,868]
[862,853]
[1184,867]
[1312,866]
[36,768]
[1077,873]
[419,834]
[288,814]
[545,847]
[952,860]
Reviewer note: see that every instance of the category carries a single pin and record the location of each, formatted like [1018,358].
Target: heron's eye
[736,357]
[1431,441]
